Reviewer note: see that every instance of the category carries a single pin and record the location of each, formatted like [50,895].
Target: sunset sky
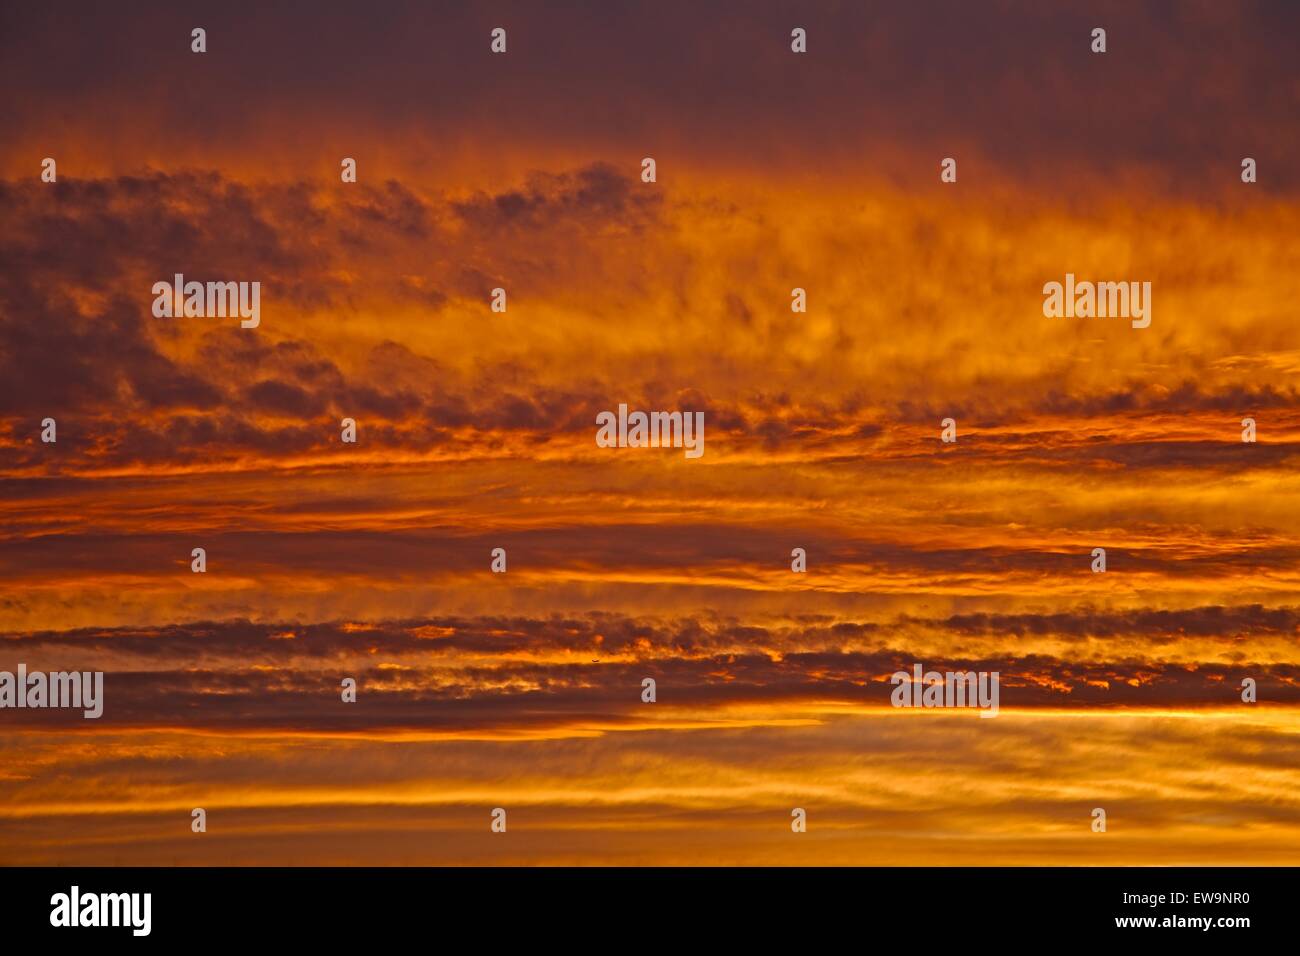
[476,429]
